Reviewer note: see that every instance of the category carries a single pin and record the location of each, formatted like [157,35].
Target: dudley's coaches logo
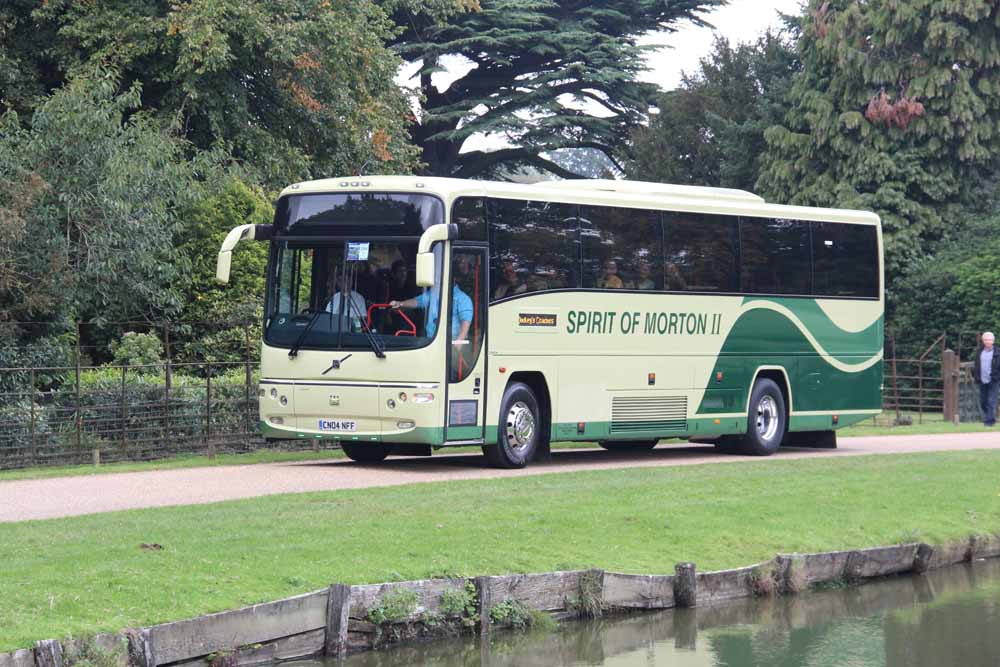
[536,320]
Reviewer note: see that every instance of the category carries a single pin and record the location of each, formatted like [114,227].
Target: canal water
[948,617]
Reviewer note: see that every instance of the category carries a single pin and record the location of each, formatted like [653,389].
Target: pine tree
[531,63]
[710,130]
[896,110]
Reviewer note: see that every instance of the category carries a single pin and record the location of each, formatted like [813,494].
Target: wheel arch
[540,387]
[779,376]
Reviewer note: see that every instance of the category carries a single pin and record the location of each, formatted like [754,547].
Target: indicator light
[581,427]
[277,420]
[718,376]
[391,404]
[283,400]
[836,418]
[651,378]
[503,370]
[717,421]
[274,393]
[423,398]
[405,424]
[402,396]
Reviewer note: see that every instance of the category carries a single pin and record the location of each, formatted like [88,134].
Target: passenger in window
[645,279]
[538,282]
[675,279]
[396,287]
[367,280]
[354,306]
[510,282]
[609,279]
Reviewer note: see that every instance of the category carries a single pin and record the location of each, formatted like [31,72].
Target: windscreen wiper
[378,347]
[294,352]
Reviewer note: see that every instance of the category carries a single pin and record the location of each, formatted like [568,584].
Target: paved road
[70,496]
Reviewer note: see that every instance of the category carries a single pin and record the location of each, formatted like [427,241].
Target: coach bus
[405,314]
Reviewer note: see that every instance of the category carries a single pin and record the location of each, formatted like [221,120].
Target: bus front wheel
[518,430]
[765,420]
[364,452]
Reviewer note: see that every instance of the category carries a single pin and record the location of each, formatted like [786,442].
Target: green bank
[106,572]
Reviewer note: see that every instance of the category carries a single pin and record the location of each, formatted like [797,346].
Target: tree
[532,65]
[291,88]
[896,110]
[710,130]
[217,315]
[88,215]
[956,290]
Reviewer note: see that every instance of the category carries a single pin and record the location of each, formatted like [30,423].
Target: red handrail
[413,327]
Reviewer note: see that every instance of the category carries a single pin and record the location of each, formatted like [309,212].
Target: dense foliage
[291,88]
[88,215]
[710,130]
[528,67]
[896,110]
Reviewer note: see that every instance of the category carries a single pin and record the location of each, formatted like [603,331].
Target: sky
[740,21]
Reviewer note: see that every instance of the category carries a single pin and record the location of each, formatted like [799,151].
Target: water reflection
[949,617]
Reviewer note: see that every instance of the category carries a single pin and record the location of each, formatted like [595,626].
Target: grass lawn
[87,574]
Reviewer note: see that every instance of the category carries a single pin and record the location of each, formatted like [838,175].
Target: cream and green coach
[406,314]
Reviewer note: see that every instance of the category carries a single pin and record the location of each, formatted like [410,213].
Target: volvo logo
[335,365]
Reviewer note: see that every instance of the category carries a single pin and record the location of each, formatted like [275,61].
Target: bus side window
[700,252]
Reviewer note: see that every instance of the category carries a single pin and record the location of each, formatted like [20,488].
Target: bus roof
[598,192]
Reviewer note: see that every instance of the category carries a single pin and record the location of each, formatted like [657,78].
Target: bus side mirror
[425,269]
[425,258]
[244,232]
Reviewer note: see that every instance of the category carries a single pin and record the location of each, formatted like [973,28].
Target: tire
[518,429]
[365,453]
[628,445]
[765,420]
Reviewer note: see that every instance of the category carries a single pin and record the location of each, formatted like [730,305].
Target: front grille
[631,414]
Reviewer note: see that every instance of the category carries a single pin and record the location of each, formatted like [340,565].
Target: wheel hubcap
[520,426]
[767,418]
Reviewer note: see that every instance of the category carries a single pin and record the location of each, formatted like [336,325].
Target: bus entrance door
[464,420]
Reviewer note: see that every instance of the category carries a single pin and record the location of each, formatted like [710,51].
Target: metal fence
[87,411]
[71,414]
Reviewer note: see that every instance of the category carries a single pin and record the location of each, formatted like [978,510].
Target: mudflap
[813,439]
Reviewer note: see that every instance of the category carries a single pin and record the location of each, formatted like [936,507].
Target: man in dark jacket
[986,373]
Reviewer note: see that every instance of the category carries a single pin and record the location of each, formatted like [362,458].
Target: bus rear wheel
[518,430]
[628,445]
[365,452]
[765,419]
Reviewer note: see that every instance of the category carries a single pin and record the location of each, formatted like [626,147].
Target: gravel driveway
[22,500]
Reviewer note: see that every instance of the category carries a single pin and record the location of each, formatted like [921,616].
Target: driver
[461,312]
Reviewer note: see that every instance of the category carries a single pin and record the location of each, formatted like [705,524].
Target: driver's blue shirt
[461,310]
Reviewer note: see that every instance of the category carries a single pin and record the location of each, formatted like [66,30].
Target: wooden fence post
[685,585]
[208,413]
[485,604]
[166,384]
[34,440]
[48,653]
[338,607]
[949,380]
[79,407]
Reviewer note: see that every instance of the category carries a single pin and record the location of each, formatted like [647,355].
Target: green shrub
[395,606]
[138,349]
